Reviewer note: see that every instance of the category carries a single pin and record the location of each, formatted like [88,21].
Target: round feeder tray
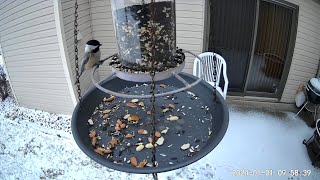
[203,121]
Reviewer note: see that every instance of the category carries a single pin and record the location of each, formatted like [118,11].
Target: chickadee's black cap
[94,43]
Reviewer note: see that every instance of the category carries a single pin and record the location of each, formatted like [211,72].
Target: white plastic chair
[207,59]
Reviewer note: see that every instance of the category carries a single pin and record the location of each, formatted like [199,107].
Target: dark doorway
[256,38]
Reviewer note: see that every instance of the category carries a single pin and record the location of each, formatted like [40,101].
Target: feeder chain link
[76,59]
[215,78]
[153,87]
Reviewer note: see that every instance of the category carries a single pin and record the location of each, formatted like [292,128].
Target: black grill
[313,93]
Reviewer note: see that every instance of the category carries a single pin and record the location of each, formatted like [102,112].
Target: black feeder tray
[203,121]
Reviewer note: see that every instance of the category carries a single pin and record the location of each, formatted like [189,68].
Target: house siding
[85,29]
[190,26]
[28,38]
[307,48]
[102,26]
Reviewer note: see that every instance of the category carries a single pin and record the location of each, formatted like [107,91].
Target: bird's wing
[98,56]
[84,62]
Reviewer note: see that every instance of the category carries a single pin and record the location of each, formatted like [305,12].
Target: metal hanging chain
[215,78]
[153,87]
[76,59]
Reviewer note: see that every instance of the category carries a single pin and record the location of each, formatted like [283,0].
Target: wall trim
[63,49]
[206,22]
[8,75]
[98,74]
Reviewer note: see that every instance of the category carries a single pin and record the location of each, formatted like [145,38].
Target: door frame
[290,50]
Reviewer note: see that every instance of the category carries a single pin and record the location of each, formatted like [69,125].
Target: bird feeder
[145,32]
[175,127]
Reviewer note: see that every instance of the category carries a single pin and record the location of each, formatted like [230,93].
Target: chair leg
[301,109]
[305,142]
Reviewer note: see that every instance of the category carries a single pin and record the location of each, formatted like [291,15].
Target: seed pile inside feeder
[134,29]
[120,129]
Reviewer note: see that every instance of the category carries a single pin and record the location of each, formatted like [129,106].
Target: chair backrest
[208,60]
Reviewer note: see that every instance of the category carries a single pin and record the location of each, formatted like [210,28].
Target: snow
[9,110]
[254,141]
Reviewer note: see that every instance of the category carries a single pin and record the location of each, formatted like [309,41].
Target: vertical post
[63,48]
[253,45]
[206,26]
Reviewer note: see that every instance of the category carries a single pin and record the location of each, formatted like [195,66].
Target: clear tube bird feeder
[146,31]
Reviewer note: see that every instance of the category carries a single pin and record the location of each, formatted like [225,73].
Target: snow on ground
[254,141]
[9,110]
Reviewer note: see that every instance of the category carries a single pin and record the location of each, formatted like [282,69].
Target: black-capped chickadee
[92,55]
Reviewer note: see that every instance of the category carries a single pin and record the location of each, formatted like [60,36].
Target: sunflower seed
[106,111]
[140,147]
[90,121]
[149,146]
[160,141]
[111,98]
[132,105]
[185,146]
[142,131]
[171,106]
[173,118]
[126,116]
[128,136]
[141,104]
[157,134]
[133,161]
[150,139]
[135,100]
[142,163]
[165,131]
[134,118]
[94,141]
[92,133]
[165,110]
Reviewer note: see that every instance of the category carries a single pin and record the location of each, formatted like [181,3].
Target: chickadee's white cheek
[87,49]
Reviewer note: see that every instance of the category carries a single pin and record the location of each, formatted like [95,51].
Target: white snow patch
[254,141]
[9,110]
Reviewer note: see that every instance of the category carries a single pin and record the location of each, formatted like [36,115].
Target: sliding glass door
[256,38]
[231,35]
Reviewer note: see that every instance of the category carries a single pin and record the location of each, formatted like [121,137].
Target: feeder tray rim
[145,77]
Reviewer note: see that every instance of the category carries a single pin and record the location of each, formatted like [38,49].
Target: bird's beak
[100,45]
